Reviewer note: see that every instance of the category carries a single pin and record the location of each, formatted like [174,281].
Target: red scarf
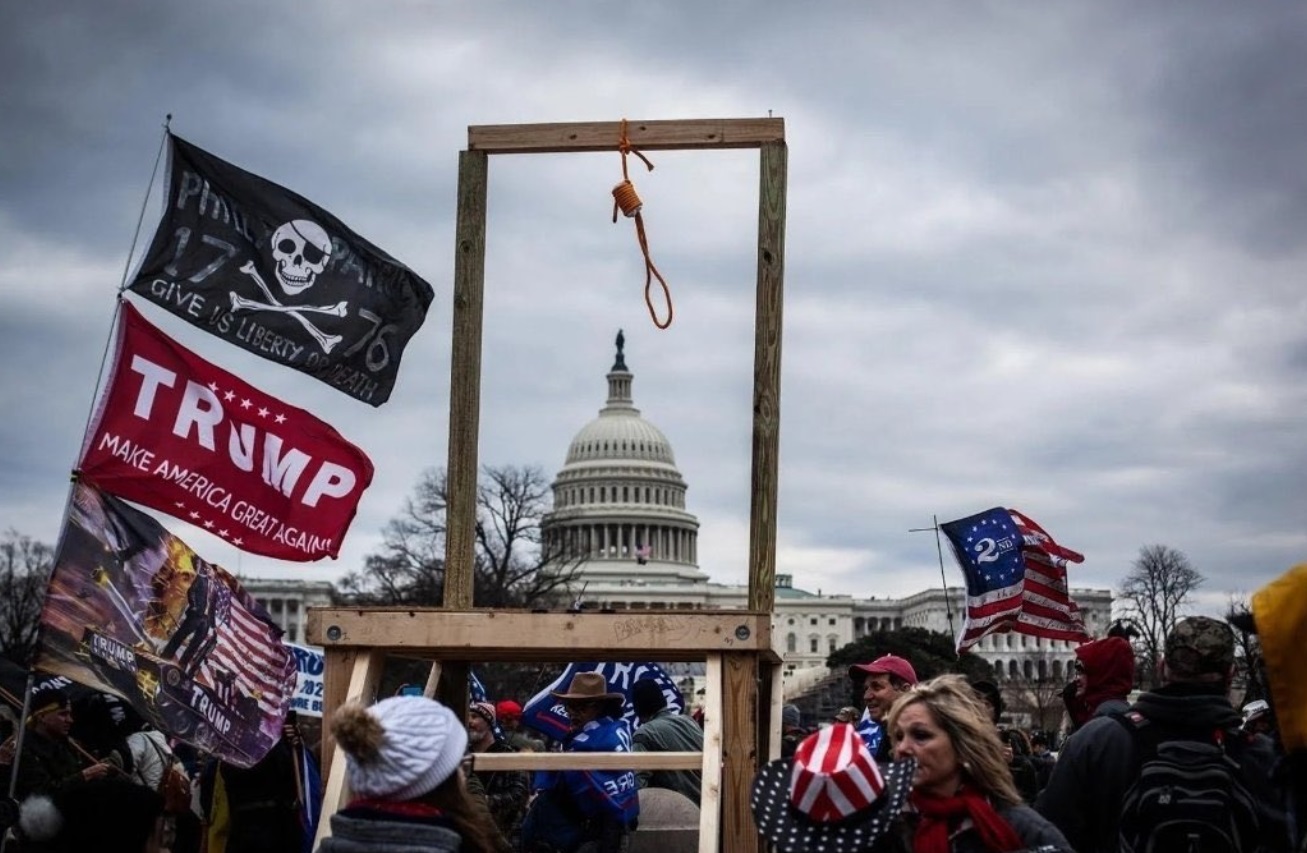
[405,808]
[938,813]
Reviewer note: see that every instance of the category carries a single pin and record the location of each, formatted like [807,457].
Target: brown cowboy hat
[586,687]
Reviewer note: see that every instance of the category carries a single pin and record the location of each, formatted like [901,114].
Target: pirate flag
[273,273]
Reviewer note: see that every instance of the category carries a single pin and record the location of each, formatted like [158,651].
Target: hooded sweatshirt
[1109,676]
[1101,758]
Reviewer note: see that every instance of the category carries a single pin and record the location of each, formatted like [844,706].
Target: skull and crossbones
[301,250]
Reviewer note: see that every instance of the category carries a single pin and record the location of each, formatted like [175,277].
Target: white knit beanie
[399,748]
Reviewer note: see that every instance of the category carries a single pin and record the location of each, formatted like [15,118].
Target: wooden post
[337,664]
[710,799]
[365,676]
[767,376]
[739,750]
[465,380]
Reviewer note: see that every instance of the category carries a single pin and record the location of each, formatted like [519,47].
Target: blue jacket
[598,793]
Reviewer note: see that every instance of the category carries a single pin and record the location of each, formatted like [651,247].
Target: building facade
[620,515]
[288,602]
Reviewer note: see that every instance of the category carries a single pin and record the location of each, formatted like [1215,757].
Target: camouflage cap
[1199,647]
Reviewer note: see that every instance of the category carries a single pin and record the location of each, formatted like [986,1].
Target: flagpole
[99,377]
[127,265]
[18,746]
[939,550]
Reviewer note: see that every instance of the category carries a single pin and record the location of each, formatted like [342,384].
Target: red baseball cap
[885,665]
[508,708]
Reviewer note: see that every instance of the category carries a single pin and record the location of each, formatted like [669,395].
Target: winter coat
[151,755]
[367,831]
[505,792]
[668,731]
[46,766]
[1098,764]
[1035,832]
[573,806]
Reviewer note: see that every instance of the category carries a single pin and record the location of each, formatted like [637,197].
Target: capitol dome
[619,499]
[619,433]
[632,437]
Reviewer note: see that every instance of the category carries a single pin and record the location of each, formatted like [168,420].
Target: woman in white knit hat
[403,759]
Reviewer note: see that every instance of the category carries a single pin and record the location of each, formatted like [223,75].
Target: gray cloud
[1040,257]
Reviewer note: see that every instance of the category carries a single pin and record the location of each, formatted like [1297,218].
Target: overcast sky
[1045,256]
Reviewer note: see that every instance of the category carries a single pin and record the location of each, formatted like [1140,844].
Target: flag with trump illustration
[271,272]
[1016,578]
[131,610]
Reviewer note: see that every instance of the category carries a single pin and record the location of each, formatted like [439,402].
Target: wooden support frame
[736,644]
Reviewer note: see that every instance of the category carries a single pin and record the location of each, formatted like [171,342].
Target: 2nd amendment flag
[269,271]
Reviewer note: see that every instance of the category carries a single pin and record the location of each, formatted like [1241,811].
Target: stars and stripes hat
[831,797]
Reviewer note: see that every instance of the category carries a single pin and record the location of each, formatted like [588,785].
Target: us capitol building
[620,514]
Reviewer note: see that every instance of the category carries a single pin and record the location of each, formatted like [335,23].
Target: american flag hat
[831,797]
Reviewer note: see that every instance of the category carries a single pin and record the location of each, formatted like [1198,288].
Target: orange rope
[628,202]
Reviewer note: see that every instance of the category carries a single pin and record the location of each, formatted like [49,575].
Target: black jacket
[1035,833]
[1098,764]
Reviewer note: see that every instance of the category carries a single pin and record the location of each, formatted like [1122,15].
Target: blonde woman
[963,799]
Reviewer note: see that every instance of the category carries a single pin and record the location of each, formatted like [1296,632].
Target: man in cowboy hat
[576,806]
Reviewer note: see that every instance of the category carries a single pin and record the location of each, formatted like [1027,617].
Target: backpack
[174,783]
[1188,795]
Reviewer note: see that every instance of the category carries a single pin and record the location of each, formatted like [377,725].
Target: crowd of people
[410,767]
[931,769]
[924,765]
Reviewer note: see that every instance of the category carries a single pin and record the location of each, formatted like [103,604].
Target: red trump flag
[180,435]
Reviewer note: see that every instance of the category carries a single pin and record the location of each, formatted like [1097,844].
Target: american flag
[247,652]
[1016,578]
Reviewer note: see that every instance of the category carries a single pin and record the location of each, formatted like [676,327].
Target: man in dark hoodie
[1098,764]
[1105,675]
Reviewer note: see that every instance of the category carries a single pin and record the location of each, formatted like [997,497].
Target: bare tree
[1156,589]
[1249,676]
[1040,694]
[510,569]
[24,571]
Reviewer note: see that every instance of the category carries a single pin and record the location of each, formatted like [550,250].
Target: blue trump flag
[545,714]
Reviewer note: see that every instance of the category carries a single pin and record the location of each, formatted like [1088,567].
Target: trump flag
[272,273]
[1016,578]
[131,610]
[185,437]
[546,715]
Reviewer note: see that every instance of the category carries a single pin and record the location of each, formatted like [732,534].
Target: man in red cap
[882,681]
[510,720]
